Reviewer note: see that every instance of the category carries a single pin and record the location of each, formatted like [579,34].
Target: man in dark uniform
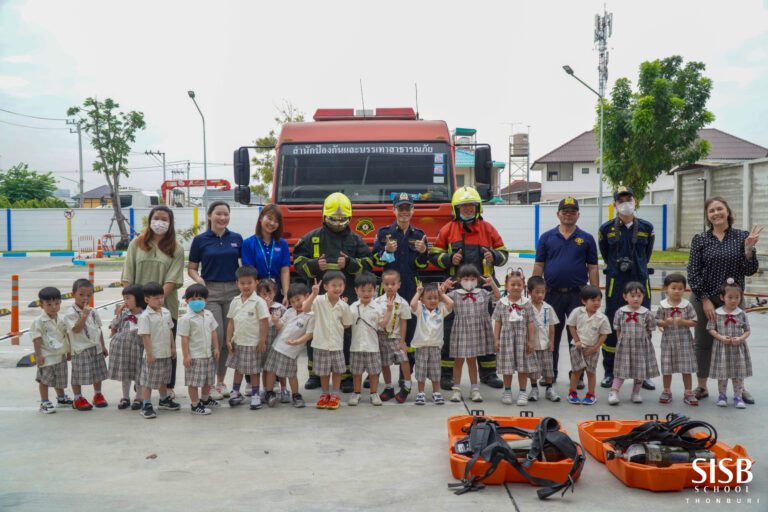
[626,245]
[333,246]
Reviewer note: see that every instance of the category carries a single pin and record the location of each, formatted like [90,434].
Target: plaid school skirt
[580,362]
[545,365]
[157,375]
[471,336]
[513,356]
[390,351]
[427,364]
[328,361]
[635,358]
[362,362]
[730,361]
[677,351]
[125,354]
[201,373]
[281,365]
[246,359]
[89,367]
[53,376]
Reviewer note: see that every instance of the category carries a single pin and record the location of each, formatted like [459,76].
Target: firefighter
[333,246]
[468,239]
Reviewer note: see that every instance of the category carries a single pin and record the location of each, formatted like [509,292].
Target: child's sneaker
[64,401]
[136,404]
[200,409]
[613,397]
[247,389]
[322,403]
[81,404]
[148,412]
[46,407]
[333,402]
[590,399]
[522,398]
[551,395]
[438,399]
[388,394]
[376,399]
[637,398]
[456,394]
[690,399]
[285,396]
[573,397]
[168,404]
[271,398]
[235,399]
[420,399]
[506,397]
[738,403]
[402,395]
[354,399]
[475,395]
[99,401]
[298,401]
[255,402]
[211,403]
[722,400]
[533,396]
[665,397]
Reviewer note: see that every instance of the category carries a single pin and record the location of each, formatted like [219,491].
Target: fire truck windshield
[367,172]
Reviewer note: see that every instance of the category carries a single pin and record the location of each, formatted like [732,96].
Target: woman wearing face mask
[155,256]
[218,251]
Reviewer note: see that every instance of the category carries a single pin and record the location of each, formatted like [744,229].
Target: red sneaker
[323,402]
[333,402]
[81,404]
[99,400]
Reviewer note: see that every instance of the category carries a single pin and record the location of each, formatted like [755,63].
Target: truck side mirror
[242,164]
[243,194]
[483,164]
[485,191]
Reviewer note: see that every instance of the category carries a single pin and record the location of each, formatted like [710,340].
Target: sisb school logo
[578,240]
[365,226]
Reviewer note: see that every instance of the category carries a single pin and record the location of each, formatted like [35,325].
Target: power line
[33,117]
[33,127]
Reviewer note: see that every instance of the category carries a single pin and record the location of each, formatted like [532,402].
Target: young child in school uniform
[293,335]
[364,353]
[430,305]
[88,347]
[200,349]
[589,328]
[514,338]
[267,290]
[49,336]
[155,329]
[472,334]
[392,344]
[730,353]
[126,348]
[674,318]
[544,320]
[635,356]
[332,316]
[247,331]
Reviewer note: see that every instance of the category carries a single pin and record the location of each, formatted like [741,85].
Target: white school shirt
[89,336]
[402,311]
[589,328]
[542,319]
[199,329]
[158,325]
[247,315]
[53,333]
[294,327]
[429,326]
[329,323]
[365,326]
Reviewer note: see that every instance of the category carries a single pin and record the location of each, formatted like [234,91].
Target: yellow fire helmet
[337,210]
[466,195]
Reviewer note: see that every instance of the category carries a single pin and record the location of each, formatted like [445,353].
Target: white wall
[586,185]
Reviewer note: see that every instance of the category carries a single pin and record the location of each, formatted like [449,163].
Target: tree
[20,184]
[111,133]
[265,158]
[655,128]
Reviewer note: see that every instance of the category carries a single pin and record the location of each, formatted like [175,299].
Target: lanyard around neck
[271,254]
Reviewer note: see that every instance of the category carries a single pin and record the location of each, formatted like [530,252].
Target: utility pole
[158,153]
[189,198]
[603,30]
[78,130]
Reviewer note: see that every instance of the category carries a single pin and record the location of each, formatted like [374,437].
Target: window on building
[560,172]
[585,170]
[459,180]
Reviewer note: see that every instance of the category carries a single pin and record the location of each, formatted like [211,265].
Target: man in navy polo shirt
[567,258]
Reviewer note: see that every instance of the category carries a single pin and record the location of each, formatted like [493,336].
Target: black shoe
[387,395]
[649,385]
[492,380]
[271,398]
[65,401]
[124,403]
[402,395]
[148,412]
[211,403]
[313,382]
[347,386]
[168,404]
[136,405]
[747,397]
[367,382]
[446,382]
[607,381]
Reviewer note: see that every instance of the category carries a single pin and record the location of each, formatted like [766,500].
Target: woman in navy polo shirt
[268,252]
[218,250]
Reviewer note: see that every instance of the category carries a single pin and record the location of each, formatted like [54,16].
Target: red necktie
[515,307]
[470,295]
[631,317]
[132,319]
[730,319]
[676,311]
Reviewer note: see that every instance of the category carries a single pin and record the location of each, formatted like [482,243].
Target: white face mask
[160,227]
[469,285]
[627,208]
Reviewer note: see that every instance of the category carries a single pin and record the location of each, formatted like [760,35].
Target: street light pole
[81,201]
[205,155]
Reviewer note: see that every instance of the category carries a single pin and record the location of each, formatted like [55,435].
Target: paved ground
[388,458]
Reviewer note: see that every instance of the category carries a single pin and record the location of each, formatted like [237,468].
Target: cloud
[17,59]
[12,82]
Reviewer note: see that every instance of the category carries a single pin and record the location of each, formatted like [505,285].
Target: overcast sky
[477,64]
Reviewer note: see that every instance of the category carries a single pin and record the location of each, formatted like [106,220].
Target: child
[247,331]
[267,290]
[513,335]
[49,336]
[544,320]
[730,354]
[675,317]
[430,305]
[392,344]
[367,319]
[87,346]
[155,329]
[589,329]
[126,348]
[635,356]
[471,335]
[296,331]
[200,348]
[332,316]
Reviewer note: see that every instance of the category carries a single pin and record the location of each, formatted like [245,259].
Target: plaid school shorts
[579,361]
[329,361]
[427,364]
[157,375]
[201,373]
[246,359]
[53,376]
[281,365]
[362,362]
[390,351]
[89,367]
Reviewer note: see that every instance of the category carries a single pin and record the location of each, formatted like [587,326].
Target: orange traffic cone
[99,249]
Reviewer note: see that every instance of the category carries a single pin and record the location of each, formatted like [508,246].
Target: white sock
[126,389]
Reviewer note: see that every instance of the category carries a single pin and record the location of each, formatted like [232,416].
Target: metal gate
[691,207]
